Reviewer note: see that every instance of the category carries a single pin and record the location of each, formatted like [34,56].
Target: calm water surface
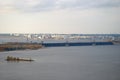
[63,63]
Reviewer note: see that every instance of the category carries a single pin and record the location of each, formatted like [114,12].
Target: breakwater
[76,44]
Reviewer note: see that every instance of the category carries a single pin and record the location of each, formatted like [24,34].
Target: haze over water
[63,63]
[61,17]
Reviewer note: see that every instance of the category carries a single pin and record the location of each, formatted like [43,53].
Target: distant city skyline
[60,16]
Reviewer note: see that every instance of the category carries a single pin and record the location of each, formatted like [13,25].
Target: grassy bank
[19,46]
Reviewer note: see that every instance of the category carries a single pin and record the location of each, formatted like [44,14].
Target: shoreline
[13,46]
[19,46]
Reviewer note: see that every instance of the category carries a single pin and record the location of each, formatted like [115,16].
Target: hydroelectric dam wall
[76,44]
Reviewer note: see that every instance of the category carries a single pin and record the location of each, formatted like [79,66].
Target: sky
[60,16]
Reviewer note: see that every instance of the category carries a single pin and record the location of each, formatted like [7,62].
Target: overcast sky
[60,16]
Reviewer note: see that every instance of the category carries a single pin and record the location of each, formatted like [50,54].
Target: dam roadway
[76,44]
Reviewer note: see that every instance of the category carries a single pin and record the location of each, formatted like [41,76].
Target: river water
[63,63]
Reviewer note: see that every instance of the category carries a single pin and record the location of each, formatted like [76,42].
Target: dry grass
[19,46]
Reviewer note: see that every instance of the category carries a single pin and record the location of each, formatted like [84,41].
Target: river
[63,63]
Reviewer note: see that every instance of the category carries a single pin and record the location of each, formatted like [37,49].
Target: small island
[11,58]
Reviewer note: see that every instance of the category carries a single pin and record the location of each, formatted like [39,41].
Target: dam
[76,44]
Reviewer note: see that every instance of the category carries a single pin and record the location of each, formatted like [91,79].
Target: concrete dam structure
[76,44]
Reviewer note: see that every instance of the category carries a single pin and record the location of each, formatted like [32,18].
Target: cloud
[35,5]
[7,6]
[88,3]
[46,5]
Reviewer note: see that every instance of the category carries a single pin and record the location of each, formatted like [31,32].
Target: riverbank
[19,46]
